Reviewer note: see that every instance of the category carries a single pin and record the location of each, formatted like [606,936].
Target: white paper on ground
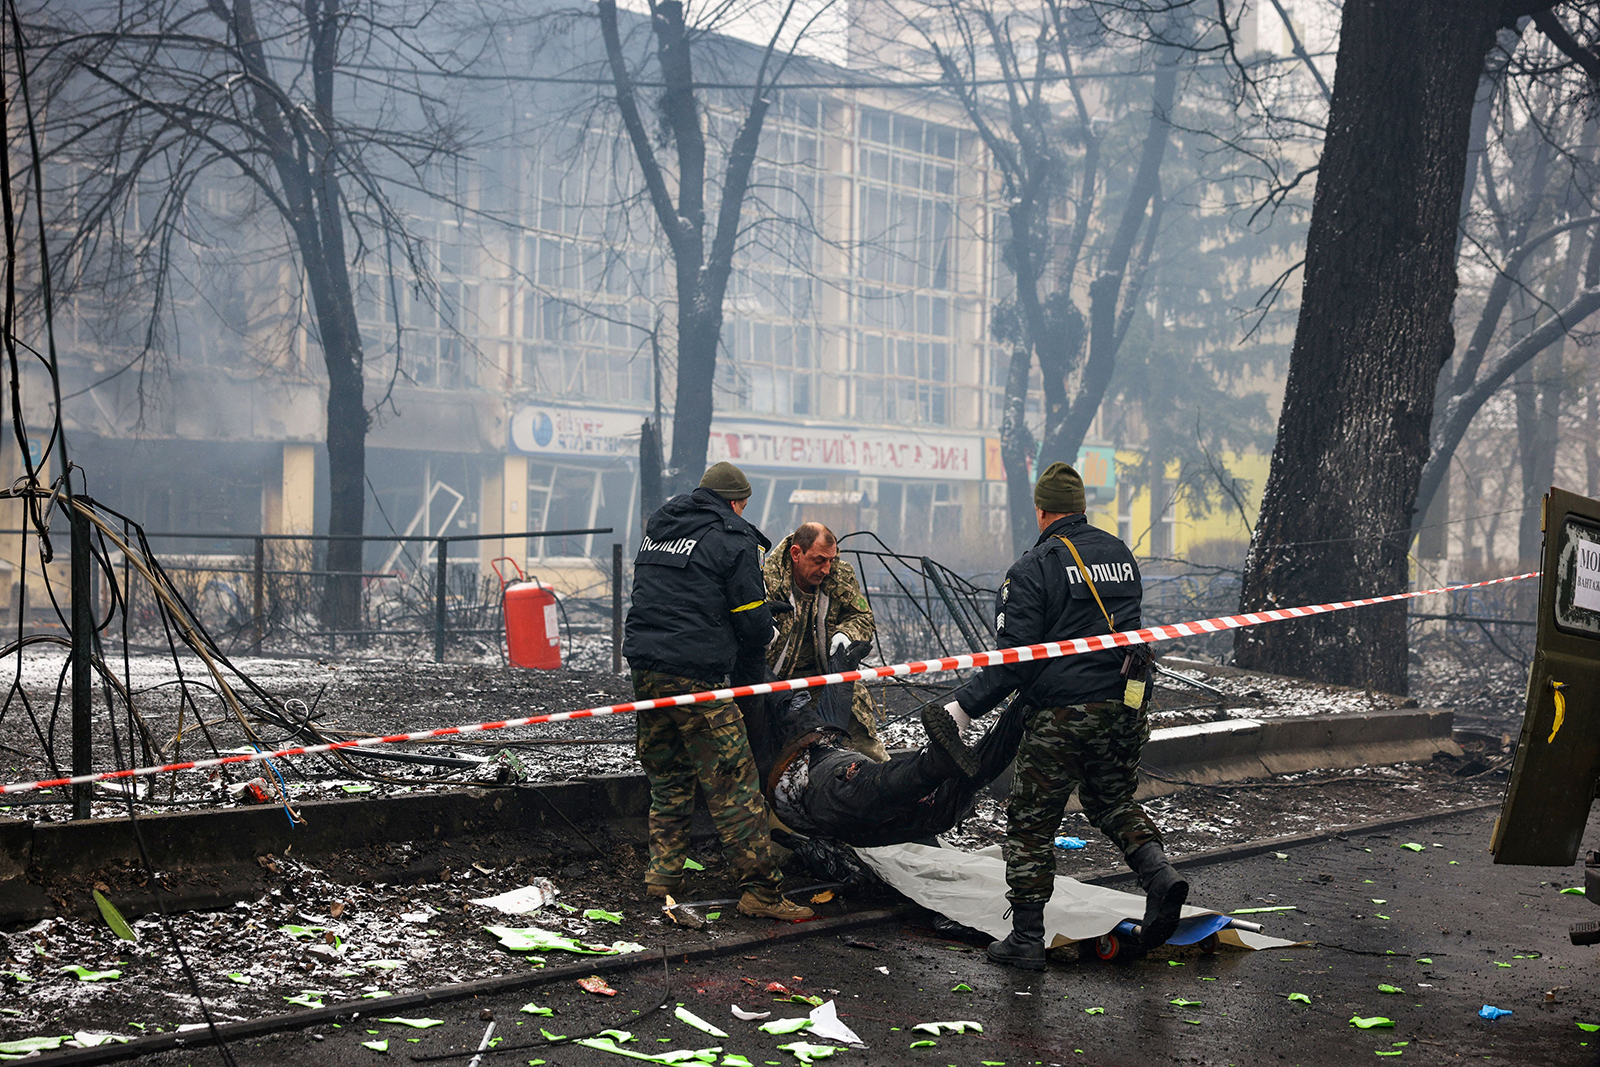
[825,1024]
[522,901]
[970,888]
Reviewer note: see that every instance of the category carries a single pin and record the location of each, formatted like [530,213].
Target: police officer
[1087,725]
[699,610]
[831,616]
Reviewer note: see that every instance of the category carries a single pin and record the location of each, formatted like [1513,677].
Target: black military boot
[1024,946]
[1165,891]
[943,732]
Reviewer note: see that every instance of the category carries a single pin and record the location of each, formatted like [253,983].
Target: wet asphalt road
[1493,935]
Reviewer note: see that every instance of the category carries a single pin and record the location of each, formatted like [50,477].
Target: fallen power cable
[1023,654]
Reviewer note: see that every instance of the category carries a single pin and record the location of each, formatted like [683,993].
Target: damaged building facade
[858,381]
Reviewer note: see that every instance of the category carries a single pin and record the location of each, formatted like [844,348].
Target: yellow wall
[297,503]
[1190,528]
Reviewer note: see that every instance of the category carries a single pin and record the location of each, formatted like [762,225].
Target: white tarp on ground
[970,888]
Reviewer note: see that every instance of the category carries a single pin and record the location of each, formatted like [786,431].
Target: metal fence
[272,594]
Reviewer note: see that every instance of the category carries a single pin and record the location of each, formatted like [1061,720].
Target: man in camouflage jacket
[830,613]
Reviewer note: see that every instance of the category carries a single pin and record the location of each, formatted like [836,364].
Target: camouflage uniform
[702,743]
[801,648]
[1093,747]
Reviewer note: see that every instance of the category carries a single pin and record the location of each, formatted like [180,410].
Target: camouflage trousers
[1093,748]
[704,744]
[863,735]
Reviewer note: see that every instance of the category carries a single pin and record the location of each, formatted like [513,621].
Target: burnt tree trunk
[1374,332]
[701,267]
[304,155]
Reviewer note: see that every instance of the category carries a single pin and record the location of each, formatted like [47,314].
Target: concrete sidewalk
[221,849]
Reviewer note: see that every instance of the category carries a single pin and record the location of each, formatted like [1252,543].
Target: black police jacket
[1044,598]
[699,599]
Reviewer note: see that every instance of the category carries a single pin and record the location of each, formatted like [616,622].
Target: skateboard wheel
[1107,946]
[1209,943]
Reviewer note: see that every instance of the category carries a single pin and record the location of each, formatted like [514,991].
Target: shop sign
[871,453]
[542,430]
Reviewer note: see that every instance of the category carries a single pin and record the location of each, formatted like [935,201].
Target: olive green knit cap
[1059,490]
[728,481]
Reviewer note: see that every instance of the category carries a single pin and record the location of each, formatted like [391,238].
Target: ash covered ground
[402,919]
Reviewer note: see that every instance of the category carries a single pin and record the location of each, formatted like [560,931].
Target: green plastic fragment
[961,987]
[622,1037]
[310,998]
[1424,959]
[802,998]
[806,1052]
[1589,1028]
[548,1036]
[924,1043]
[1394,1052]
[1371,1022]
[1174,963]
[531,1008]
[538,939]
[1411,846]
[713,915]
[1454,863]
[31,1044]
[1377,900]
[91,1039]
[1399,1044]
[1299,998]
[377,1046]
[784,1026]
[684,1015]
[733,1059]
[377,994]
[1094,1011]
[415,1024]
[1575,889]
[357,787]
[1386,988]
[601,915]
[238,978]
[1208,978]
[1180,1002]
[693,865]
[1192,1022]
[1385,918]
[113,918]
[84,974]
[677,1056]
[18,975]
[293,930]
[1501,963]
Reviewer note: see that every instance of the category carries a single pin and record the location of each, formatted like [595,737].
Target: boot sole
[776,918]
[1012,961]
[1165,923]
[941,730]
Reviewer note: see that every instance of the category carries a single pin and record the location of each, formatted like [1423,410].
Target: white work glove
[963,720]
[840,642]
[775,635]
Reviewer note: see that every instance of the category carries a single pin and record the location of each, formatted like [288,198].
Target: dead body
[820,788]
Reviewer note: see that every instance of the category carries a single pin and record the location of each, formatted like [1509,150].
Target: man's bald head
[807,534]
[812,550]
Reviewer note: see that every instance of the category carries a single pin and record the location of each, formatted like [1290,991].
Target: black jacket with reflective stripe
[1044,598]
[699,598]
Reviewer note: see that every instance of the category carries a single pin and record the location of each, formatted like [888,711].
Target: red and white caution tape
[1023,654]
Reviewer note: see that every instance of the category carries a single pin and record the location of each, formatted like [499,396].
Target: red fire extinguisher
[533,638]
